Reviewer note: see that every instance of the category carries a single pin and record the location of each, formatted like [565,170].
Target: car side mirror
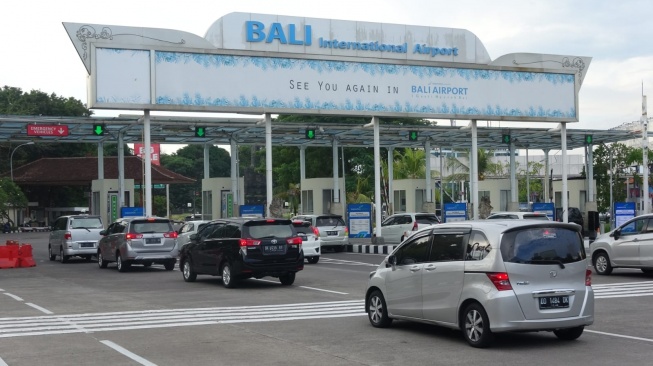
[103,232]
[391,262]
[616,234]
[193,237]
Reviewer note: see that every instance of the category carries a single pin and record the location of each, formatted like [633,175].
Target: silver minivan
[74,235]
[486,277]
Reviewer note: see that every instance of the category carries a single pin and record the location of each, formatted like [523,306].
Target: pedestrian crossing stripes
[626,289]
[148,319]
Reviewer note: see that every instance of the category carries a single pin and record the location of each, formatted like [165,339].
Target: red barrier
[25,258]
[12,242]
[8,256]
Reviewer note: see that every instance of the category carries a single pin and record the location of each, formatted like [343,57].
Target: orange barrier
[25,256]
[8,256]
[12,242]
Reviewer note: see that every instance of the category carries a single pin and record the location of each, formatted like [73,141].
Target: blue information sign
[131,211]
[623,211]
[252,210]
[545,207]
[455,212]
[359,217]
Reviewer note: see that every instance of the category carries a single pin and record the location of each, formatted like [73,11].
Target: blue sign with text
[545,207]
[359,216]
[455,212]
[131,211]
[623,211]
[252,210]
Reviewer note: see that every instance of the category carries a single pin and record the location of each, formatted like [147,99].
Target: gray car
[74,235]
[332,230]
[486,277]
[628,246]
[139,240]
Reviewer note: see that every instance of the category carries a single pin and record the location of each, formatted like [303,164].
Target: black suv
[573,215]
[241,248]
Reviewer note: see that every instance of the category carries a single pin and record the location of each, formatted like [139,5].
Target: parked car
[311,243]
[485,277]
[517,215]
[629,246]
[332,230]
[241,248]
[138,240]
[74,235]
[573,215]
[399,226]
[187,229]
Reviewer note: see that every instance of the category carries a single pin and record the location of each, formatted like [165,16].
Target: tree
[623,158]
[11,197]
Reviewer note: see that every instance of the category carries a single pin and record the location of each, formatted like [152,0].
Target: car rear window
[536,217]
[86,223]
[426,219]
[303,227]
[144,227]
[329,221]
[262,229]
[542,245]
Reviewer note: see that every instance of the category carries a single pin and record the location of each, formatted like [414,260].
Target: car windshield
[427,219]
[304,228]
[86,223]
[544,245]
[329,221]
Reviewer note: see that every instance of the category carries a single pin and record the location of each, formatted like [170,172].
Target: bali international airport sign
[258,63]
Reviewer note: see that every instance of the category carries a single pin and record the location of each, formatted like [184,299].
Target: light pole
[11,158]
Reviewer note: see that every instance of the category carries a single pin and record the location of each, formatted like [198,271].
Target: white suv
[398,227]
[332,230]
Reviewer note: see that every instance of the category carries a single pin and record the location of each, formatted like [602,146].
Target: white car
[518,215]
[398,227]
[311,243]
[189,228]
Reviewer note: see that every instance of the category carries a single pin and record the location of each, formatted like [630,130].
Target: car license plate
[332,233]
[554,302]
[152,240]
[274,248]
[86,245]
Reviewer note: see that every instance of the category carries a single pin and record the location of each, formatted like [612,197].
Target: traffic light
[412,135]
[505,138]
[200,131]
[98,130]
[310,133]
[589,139]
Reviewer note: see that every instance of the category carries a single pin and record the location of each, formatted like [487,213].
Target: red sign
[47,130]
[155,152]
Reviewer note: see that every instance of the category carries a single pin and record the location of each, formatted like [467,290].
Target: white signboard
[190,81]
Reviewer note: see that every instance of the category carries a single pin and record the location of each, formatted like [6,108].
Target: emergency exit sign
[47,130]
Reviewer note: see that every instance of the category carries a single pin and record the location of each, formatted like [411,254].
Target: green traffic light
[98,130]
[589,139]
[412,135]
[200,131]
[310,134]
[505,139]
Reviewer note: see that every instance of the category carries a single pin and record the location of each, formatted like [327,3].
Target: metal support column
[148,163]
[268,163]
[474,170]
[565,189]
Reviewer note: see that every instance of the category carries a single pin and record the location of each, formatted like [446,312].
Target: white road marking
[2,363]
[620,335]
[13,296]
[346,262]
[628,289]
[149,319]
[39,308]
[128,353]
[319,289]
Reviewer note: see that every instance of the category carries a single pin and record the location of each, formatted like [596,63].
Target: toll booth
[217,198]
[105,200]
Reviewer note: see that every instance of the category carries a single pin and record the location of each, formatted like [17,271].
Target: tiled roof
[83,170]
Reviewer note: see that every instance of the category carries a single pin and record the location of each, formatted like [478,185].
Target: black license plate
[152,240]
[332,233]
[270,249]
[554,302]
[86,245]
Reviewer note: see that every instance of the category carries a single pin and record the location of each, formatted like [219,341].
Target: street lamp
[11,158]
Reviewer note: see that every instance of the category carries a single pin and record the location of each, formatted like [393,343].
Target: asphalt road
[78,314]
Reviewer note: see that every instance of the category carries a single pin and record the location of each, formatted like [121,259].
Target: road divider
[15,255]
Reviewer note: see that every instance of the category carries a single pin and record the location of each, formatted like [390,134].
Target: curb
[371,248]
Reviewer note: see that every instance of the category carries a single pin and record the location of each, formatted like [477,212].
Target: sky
[38,55]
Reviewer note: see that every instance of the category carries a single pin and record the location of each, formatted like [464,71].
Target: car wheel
[187,271]
[62,258]
[147,264]
[313,260]
[100,260]
[287,279]
[377,311]
[476,326]
[602,263]
[569,334]
[647,270]
[227,278]
[123,266]
[52,255]
[169,266]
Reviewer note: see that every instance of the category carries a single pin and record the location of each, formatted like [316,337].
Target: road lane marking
[13,296]
[618,290]
[319,289]
[620,335]
[39,308]
[128,353]
[2,363]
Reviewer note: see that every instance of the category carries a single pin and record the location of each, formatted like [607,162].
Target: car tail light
[316,232]
[588,277]
[415,226]
[294,241]
[131,236]
[346,231]
[249,242]
[500,280]
[172,234]
[67,236]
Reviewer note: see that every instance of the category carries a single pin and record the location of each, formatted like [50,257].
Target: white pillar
[590,173]
[268,162]
[427,154]
[565,203]
[121,171]
[334,154]
[441,186]
[100,160]
[302,176]
[391,175]
[377,180]
[647,200]
[513,177]
[206,176]
[545,195]
[528,182]
[148,163]
[234,173]
[474,170]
